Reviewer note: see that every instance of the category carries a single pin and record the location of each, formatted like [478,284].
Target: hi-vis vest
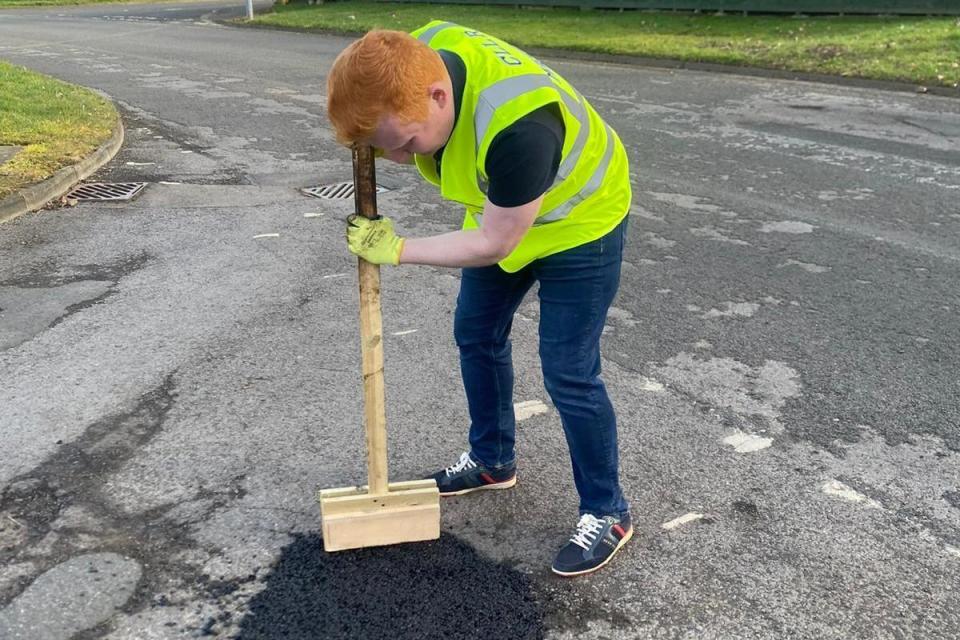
[591,193]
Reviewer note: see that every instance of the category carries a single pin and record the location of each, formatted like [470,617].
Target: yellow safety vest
[591,193]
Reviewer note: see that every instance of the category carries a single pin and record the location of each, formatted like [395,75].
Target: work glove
[374,240]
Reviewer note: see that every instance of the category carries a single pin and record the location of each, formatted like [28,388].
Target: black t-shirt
[523,159]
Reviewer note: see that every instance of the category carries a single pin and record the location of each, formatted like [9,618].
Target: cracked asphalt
[782,355]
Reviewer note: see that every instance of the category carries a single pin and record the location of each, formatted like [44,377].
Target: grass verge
[922,50]
[56,124]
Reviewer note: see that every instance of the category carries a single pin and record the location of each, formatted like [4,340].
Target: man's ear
[438,94]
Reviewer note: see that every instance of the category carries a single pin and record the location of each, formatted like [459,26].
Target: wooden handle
[364,182]
[371,329]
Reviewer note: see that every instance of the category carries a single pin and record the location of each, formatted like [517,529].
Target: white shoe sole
[570,574]
[506,484]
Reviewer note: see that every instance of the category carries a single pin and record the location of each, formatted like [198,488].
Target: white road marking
[712,233]
[840,490]
[690,203]
[747,442]
[745,309]
[333,275]
[649,384]
[806,266]
[684,519]
[788,226]
[528,409]
[403,333]
[267,235]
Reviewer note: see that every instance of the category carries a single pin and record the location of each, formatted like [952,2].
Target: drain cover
[337,191]
[107,191]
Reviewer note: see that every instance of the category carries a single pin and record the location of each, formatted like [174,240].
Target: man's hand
[374,240]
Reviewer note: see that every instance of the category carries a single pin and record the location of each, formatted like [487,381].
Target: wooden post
[371,329]
[381,512]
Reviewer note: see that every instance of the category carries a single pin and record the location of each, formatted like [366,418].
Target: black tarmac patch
[440,589]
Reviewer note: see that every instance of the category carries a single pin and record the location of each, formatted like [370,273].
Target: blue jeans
[577,287]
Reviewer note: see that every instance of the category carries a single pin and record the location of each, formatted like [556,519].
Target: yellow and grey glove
[374,240]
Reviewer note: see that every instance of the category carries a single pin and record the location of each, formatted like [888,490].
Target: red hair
[385,72]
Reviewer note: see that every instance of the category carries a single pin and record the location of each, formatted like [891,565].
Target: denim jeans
[577,287]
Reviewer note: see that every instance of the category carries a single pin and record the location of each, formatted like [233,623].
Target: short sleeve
[523,159]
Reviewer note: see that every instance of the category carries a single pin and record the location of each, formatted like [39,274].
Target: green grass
[923,50]
[56,123]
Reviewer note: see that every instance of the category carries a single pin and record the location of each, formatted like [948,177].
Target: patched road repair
[181,371]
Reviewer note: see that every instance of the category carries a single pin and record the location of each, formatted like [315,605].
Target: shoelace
[464,463]
[587,529]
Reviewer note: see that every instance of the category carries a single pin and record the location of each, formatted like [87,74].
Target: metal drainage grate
[107,191]
[338,191]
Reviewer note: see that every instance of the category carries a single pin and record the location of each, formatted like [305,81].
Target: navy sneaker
[469,475]
[593,545]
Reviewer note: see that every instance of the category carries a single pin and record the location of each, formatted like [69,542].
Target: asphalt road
[783,357]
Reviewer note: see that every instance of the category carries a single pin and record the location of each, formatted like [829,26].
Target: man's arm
[521,165]
[501,230]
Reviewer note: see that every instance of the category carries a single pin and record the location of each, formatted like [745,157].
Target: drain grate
[338,191]
[107,191]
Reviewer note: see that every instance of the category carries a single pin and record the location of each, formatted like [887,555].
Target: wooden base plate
[353,518]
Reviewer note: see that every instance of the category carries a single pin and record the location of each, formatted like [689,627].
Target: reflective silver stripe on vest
[427,35]
[563,210]
[580,113]
[502,92]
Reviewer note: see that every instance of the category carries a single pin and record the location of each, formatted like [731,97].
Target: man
[546,187]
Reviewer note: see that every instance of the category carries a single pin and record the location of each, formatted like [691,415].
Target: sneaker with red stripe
[593,544]
[468,475]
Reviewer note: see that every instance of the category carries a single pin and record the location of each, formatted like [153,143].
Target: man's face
[400,140]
